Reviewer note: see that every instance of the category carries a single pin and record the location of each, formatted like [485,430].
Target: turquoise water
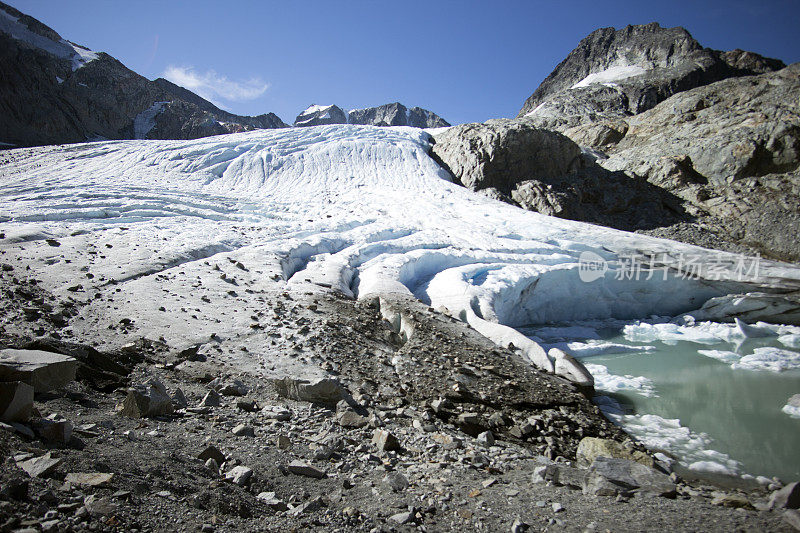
[738,409]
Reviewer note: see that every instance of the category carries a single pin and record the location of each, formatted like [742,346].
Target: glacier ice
[359,209]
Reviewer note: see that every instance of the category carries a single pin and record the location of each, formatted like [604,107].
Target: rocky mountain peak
[634,68]
[394,114]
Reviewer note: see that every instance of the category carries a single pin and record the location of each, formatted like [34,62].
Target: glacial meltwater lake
[703,393]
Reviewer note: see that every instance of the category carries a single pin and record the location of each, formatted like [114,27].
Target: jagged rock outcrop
[731,152]
[320,115]
[544,171]
[718,132]
[612,74]
[53,91]
[394,114]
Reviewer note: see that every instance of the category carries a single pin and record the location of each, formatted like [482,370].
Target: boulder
[502,153]
[301,468]
[612,477]
[786,498]
[385,441]
[212,452]
[560,475]
[590,448]
[53,430]
[147,400]
[570,368]
[44,371]
[239,475]
[89,479]
[16,401]
[40,466]
[323,391]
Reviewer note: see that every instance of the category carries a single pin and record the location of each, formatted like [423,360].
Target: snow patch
[63,49]
[146,120]
[609,75]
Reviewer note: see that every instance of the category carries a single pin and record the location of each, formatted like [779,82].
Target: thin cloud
[213,86]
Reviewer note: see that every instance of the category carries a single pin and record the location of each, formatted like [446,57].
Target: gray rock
[243,430]
[100,506]
[396,481]
[276,412]
[40,466]
[350,419]
[590,448]
[179,398]
[324,390]
[385,441]
[89,479]
[560,475]
[147,400]
[308,507]
[301,468]
[212,452]
[519,526]
[728,153]
[786,498]
[53,429]
[503,153]
[485,439]
[211,399]
[44,371]
[570,368]
[233,388]
[792,517]
[274,503]
[239,475]
[16,401]
[403,518]
[611,477]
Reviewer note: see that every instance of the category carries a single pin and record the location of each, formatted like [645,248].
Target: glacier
[357,209]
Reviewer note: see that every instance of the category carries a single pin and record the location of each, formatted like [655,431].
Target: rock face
[718,133]
[729,150]
[395,114]
[613,73]
[320,115]
[544,171]
[53,91]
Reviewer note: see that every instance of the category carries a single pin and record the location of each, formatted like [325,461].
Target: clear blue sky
[465,60]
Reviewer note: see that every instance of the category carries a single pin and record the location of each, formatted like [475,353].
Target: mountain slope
[394,114]
[617,73]
[53,91]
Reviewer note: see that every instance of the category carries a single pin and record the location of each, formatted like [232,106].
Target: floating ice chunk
[588,349]
[607,382]
[669,435]
[721,355]
[791,340]
[749,331]
[769,358]
[792,407]
[671,333]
